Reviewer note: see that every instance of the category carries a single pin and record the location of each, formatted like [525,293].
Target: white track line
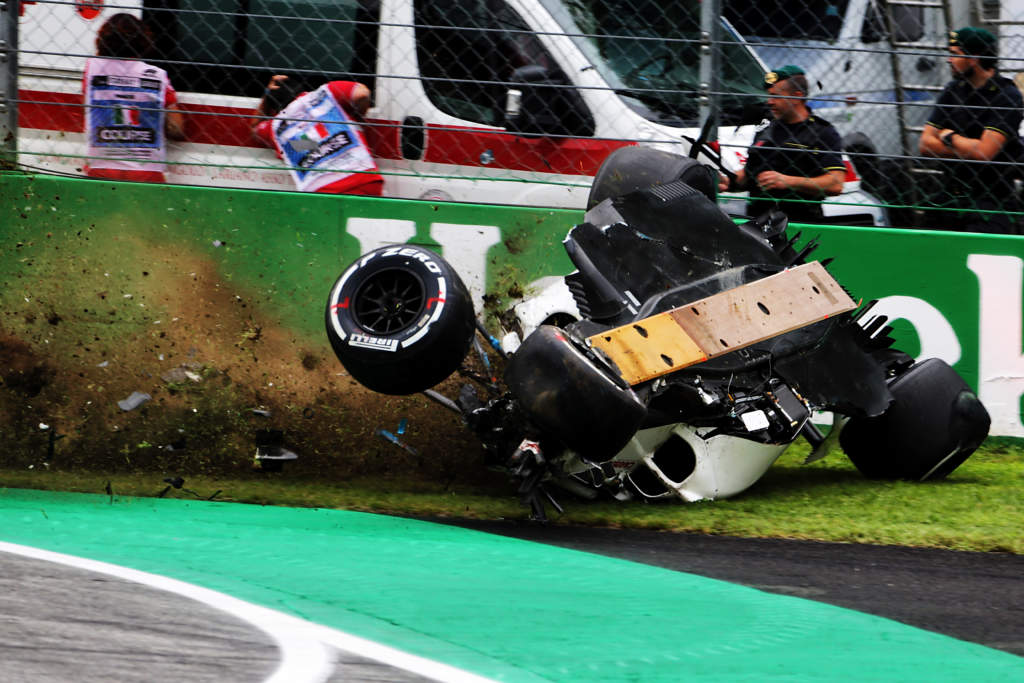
[301,642]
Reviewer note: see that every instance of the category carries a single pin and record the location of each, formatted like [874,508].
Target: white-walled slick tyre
[400,319]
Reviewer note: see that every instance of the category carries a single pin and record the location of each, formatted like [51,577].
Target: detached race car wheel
[400,319]
[633,168]
[934,423]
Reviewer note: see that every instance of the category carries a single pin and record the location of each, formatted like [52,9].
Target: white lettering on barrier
[937,337]
[465,247]
[380,232]
[1000,363]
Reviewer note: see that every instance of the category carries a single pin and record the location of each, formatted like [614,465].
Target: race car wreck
[700,352]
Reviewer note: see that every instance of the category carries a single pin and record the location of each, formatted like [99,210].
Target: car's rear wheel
[400,319]
[934,423]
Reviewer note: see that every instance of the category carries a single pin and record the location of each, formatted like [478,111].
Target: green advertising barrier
[952,296]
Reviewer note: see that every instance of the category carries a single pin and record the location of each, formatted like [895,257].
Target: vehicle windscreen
[786,20]
[649,52]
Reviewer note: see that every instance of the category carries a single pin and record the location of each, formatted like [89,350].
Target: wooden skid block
[649,348]
[724,322]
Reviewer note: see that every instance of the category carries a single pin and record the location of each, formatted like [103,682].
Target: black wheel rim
[389,301]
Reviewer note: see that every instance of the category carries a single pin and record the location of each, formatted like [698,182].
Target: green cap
[974,41]
[781,74]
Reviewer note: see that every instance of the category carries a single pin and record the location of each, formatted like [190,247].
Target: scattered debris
[398,442]
[103,364]
[54,437]
[492,340]
[261,412]
[136,399]
[178,445]
[402,424]
[270,453]
[272,458]
[179,483]
[478,347]
[219,243]
[180,374]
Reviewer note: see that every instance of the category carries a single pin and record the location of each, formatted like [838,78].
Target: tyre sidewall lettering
[422,351]
[415,259]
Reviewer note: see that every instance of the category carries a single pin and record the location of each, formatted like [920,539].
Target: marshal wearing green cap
[782,74]
[795,160]
[973,130]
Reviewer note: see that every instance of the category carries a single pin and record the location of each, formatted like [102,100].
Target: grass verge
[979,507]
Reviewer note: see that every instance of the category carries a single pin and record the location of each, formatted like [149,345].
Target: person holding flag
[131,107]
[317,135]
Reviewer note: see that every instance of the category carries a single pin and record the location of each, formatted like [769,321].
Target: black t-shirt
[809,148]
[970,112]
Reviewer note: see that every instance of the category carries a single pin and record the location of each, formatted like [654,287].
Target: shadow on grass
[792,479]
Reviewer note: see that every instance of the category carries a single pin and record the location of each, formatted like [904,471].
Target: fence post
[8,83]
[710,61]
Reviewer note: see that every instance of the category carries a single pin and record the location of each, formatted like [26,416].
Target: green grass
[979,507]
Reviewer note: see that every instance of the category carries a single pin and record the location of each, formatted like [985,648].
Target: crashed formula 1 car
[692,353]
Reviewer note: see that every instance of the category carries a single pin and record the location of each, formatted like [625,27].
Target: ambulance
[487,101]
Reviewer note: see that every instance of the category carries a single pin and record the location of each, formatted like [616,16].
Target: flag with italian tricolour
[317,132]
[126,116]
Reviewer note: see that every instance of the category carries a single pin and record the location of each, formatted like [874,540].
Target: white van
[439,125]
[847,47]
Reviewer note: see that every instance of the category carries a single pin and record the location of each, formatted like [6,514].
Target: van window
[789,19]
[232,48]
[648,52]
[908,23]
[467,51]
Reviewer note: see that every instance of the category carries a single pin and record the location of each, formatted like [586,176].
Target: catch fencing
[515,101]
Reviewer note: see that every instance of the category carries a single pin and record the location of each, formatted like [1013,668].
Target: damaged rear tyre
[934,423]
[400,319]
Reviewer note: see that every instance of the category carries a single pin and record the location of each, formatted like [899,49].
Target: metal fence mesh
[519,101]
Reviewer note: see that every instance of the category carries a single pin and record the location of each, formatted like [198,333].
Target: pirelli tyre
[400,319]
[633,168]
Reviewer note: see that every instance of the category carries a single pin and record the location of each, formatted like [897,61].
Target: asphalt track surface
[212,591]
[972,596]
[59,622]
